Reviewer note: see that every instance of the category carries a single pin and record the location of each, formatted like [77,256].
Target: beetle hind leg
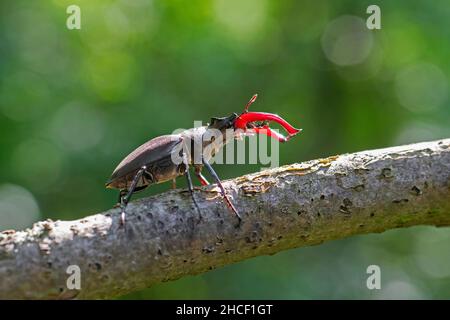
[189,183]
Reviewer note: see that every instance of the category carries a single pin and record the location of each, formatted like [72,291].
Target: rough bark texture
[291,206]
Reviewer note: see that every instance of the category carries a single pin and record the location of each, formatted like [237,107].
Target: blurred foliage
[73,103]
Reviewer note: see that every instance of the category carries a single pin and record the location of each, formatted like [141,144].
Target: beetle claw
[246,120]
[245,124]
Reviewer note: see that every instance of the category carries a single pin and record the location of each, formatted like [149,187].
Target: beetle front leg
[124,199]
[122,193]
[222,189]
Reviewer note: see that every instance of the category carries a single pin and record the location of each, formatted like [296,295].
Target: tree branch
[291,206]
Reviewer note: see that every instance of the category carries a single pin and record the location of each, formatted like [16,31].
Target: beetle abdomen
[160,171]
[150,154]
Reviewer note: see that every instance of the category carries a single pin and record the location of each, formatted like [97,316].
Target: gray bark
[291,206]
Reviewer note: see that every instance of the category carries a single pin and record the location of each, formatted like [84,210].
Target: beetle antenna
[249,103]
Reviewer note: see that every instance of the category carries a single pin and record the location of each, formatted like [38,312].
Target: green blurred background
[73,103]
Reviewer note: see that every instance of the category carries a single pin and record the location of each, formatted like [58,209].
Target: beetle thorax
[204,141]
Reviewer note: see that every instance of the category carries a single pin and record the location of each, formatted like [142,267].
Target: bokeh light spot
[18,207]
[346,41]
[111,75]
[116,21]
[432,254]
[77,127]
[243,19]
[23,96]
[400,290]
[421,87]
[44,170]
[415,131]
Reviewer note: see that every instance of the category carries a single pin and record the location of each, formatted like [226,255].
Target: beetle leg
[222,190]
[174,183]
[191,191]
[124,199]
[122,193]
[198,173]
[189,183]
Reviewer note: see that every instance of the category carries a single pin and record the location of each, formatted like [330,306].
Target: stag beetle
[155,161]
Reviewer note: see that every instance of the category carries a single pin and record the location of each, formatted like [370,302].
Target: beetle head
[224,123]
